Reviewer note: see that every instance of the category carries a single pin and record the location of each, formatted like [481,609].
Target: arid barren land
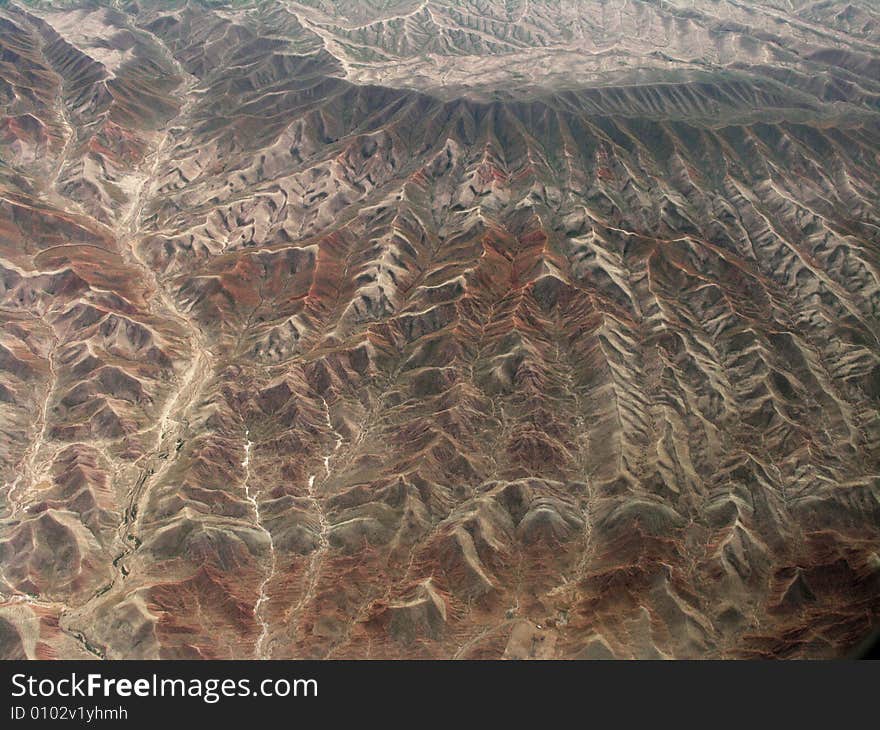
[444,329]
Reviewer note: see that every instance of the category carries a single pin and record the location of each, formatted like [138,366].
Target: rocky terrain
[448,329]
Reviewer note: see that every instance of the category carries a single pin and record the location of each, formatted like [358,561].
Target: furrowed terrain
[445,329]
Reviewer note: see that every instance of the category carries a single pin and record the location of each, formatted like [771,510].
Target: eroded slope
[439,330]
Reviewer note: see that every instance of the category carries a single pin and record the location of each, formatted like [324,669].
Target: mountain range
[446,329]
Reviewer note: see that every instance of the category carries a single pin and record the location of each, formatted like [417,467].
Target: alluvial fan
[451,329]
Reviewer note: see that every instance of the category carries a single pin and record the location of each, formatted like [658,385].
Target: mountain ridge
[329,368]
